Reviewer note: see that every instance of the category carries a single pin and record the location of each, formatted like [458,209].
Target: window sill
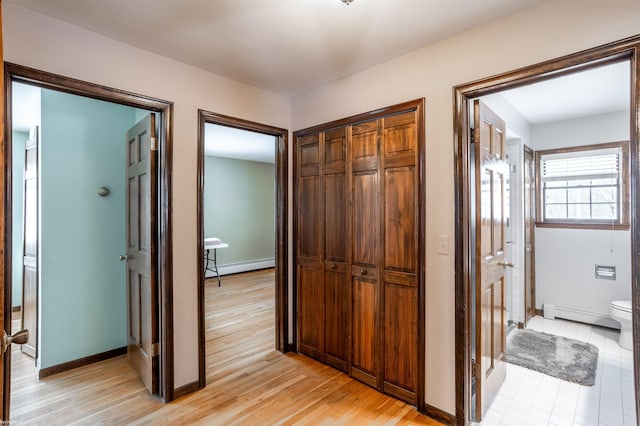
[571,225]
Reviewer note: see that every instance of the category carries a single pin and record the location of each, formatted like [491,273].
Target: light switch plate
[443,244]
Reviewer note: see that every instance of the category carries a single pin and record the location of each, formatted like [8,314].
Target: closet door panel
[364,146]
[335,150]
[309,220]
[400,136]
[365,218]
[335,215]
[363,352]
[311,311]
[400,219]
[400,340]
[337,315]
[309,245]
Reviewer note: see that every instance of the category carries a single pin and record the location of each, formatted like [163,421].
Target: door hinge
[154,144]
[474,368]
[155,349]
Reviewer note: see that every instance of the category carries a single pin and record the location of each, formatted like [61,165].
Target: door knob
[506,264]
[19,338]
[125,257]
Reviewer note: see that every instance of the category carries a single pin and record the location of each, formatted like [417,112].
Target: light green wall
[83,291]
[17,170]
[239,208]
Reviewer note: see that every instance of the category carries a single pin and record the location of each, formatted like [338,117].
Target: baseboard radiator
[234,268]
[552,311]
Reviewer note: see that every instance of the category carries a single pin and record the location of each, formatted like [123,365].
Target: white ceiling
[229,142]
[595,91]
[285,46]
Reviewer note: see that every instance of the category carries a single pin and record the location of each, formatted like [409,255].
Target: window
[584,186]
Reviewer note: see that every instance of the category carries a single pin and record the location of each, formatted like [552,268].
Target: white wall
[51,45]
[547,30]
[566,258]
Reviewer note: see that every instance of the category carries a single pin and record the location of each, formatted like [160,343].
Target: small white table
[207,248]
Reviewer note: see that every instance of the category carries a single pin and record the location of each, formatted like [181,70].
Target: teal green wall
[17,170]
[83,291]
[239,208]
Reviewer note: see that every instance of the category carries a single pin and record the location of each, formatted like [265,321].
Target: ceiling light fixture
[347,2]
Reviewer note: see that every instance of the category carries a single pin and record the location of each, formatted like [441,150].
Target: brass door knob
[19,338]
[506,264]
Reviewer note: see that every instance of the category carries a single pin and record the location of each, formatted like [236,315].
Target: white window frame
[622,184]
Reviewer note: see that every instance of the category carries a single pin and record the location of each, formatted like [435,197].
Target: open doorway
[582,238]
[242,230]
[577,128]
[77,193]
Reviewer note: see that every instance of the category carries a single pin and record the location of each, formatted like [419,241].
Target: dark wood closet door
[359,251]
[400,312]
[365,235]
[309,269]
[336,283]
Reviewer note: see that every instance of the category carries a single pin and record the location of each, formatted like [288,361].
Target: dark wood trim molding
[164,109]
[627,49]
[186,389]
[81,362]
[419,106]
[439,415]
[282,186]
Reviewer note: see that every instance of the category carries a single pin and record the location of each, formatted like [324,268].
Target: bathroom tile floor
[531,398]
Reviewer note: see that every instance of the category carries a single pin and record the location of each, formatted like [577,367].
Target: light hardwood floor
[248,382]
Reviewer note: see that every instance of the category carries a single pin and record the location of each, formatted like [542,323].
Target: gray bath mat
[566,359]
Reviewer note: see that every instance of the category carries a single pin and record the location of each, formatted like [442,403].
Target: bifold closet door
[311,306]
[365,242]
[400,235]
[336,283]
[358,247]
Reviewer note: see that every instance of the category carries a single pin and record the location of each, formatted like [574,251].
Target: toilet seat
[621,305]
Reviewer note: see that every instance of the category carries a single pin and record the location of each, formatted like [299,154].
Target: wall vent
[605,272]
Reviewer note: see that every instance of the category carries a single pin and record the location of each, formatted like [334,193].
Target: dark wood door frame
[627,49]
[164,109]
[282,236]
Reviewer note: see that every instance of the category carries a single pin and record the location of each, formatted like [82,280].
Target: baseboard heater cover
[552,311]
[234,268]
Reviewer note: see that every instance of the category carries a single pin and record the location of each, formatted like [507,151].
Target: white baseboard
[594,318]
[234,268]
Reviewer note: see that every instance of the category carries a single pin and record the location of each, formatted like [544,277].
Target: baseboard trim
[235,268]
[439,415]
[539,312]
[16,308]
[185,389]
[80,362]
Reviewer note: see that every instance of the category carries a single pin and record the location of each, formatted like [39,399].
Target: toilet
[621,312]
